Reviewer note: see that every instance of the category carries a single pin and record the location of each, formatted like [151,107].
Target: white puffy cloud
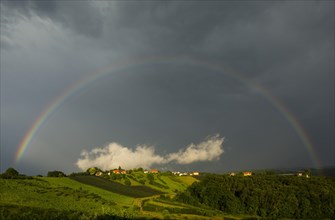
[208,150]
[114,155]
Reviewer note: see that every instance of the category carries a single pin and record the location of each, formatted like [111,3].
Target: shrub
[10,173]
[127,182]
[56,174]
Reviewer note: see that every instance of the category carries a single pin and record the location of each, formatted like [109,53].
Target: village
[97,172]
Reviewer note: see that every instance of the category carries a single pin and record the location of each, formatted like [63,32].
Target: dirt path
[139,201]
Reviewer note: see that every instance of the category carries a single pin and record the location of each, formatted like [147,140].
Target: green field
[68,182]
[58,196]
[188,180]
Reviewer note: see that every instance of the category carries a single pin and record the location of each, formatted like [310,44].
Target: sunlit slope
[176,183]
[163,182]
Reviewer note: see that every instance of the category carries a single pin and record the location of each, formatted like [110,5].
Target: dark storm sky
[286,47]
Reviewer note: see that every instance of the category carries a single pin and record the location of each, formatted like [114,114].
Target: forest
[269,196]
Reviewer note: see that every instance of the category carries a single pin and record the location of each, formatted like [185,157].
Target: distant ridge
[324,171]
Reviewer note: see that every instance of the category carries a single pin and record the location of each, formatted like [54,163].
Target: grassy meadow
[60,195]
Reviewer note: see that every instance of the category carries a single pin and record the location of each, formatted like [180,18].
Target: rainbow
[85,81]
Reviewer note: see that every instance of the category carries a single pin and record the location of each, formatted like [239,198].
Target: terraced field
[131,191]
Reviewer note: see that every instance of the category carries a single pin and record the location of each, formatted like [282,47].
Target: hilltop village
[98,172]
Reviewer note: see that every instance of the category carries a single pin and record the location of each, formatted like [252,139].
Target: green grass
[67,182]
[58,194]
[174,185]
[188,180]
[163,204]
[133,182]
[156,206]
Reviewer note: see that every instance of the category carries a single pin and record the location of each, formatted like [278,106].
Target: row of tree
[265,196]
[11,173]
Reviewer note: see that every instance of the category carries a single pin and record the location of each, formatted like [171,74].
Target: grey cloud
[286,47]
[256,35]
[83,17]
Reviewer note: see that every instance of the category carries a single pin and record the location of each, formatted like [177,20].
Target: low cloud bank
[114,155]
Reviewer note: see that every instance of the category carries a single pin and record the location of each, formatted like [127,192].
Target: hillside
[118,188]
[59,195]
[139,195]
[90,197]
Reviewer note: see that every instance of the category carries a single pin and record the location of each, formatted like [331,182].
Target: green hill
[138,195]
[90,197]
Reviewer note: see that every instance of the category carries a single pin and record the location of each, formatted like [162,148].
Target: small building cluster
[97,172]
[177,173]
[118,171]
[150,171]
[301,174]
[246,173]
[122,171]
